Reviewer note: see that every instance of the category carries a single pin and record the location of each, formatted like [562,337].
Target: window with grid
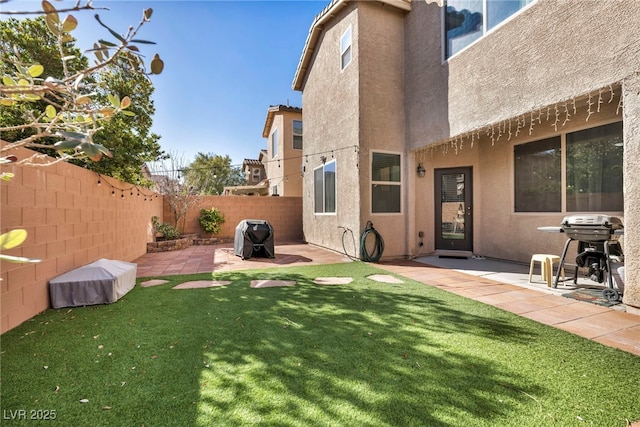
[386,183]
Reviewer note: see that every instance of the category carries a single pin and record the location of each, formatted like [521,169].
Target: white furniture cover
[101,282]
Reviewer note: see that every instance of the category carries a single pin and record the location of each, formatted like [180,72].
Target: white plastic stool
[546,267]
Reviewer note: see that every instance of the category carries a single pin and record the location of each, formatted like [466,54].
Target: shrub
[211,220]
[167,230]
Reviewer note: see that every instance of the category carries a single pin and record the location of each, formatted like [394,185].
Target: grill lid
[595,221]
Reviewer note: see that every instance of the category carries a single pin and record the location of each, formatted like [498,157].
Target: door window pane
[594,169]
[452,206]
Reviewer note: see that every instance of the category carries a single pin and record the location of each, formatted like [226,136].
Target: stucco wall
[270,163]
[283,213]
[550,52]
[631,93]
[382,120]
[499,231]
[331,122]
[290,168]
[70,221]
[283,170]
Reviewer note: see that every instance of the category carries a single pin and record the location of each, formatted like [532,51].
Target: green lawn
[363,354]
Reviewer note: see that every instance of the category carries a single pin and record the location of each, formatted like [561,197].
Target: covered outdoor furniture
[101,282]
[254,237]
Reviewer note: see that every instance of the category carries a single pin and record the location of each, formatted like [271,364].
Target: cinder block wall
[283,213]
[71,220]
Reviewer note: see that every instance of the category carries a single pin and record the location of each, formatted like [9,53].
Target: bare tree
[168,177]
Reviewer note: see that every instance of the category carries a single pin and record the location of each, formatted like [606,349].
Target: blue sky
[225,63]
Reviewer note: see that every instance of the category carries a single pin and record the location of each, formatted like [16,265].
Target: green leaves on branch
[73,101]
[101,50]
[81,143]
[156,65]
[57,27]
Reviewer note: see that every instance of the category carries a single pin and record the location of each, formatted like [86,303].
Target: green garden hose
[378,247]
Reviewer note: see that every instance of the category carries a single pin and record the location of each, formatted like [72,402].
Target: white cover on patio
[101,282]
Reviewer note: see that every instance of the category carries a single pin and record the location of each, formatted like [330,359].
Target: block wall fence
[283,213]
[72,218]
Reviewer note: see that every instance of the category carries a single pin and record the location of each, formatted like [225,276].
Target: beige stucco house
[255,176]
[458,125]
[283,130]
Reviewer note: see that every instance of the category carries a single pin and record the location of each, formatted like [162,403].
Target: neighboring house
[283,130]
[253,170]
[256,177]
[465,130]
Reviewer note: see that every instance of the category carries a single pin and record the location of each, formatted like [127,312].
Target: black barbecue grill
[597,236]
[254,237]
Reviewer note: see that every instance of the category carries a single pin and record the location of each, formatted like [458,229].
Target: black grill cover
[254,237]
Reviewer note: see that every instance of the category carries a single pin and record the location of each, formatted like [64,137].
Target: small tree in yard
[211,220]
[169,183]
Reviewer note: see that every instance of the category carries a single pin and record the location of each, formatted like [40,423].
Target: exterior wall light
[421,171]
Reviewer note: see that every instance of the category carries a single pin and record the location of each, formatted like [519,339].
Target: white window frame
[324,192]
[346,47]
[372,183]
[485,32]
[274,143]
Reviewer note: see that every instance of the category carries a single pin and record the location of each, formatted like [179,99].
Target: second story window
[345,48]
[274,143]
[465,21]
[297,134]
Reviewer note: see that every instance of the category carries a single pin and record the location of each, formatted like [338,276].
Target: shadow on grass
[366,354]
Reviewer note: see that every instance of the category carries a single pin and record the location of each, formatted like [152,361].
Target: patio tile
[534,303]
[600,324]
[503,297]
[567,313]
[624,339]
